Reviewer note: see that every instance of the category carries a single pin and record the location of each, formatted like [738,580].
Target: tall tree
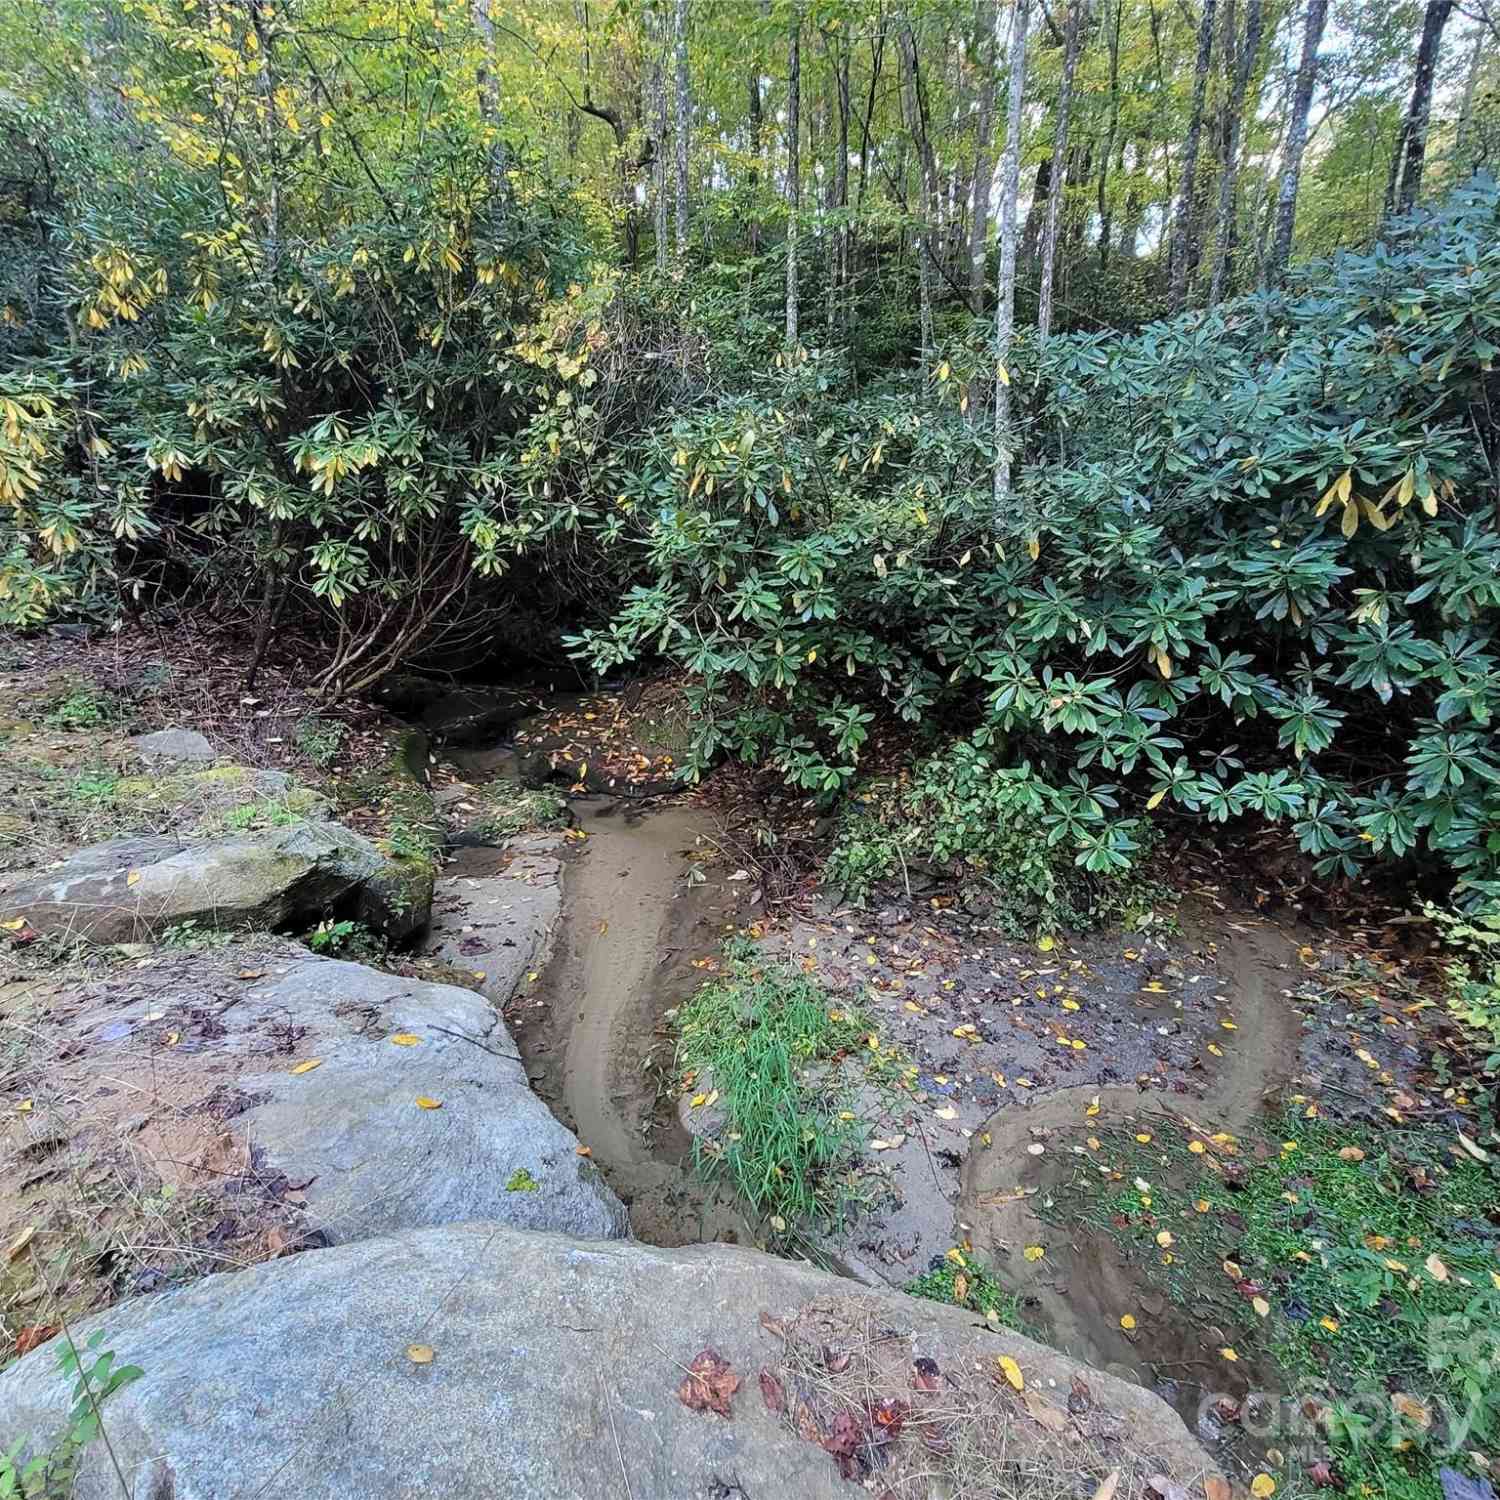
[1005,298]
[1411,145]
[682,123]
[986,50]
[659,172]
[1106,158]
[1057,180]
[793,168]
[1180,250]
[1296,142]
[1228,217]
[916,109]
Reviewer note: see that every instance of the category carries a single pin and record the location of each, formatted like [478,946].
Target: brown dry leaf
[21,1241]
[1168,1489]
[1351,1153]
[925,1375]
[583,1151]
[772,1325]
[1435,1268]
[709,1383]
[1216,1487]
[251,974]
[1110,1483]
[36,1334]
[1053,1418]
[420,1354]
[771,1392]
[960,1289]
[1412,1409]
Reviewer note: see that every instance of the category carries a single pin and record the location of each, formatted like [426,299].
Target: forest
[658,656]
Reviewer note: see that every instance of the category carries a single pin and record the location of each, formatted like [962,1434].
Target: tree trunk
[1036,212]
[1225,229]
[793,171]
[987,45]
[1005,298]
[1411,145]
[1059,175]
[753,84]
[916,109]
[1106,213]
[1178,252]
[1296,142]
[839,280]
[659,180]
[682,123]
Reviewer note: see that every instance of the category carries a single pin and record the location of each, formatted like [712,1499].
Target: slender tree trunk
[1106,159]
[753,95]
[1005,291]
[1411,146]
[1471,86]
[839,280]
[1296,142]
[1225,230]
[1059,175]
[986,49]
[659,179]
[793,171]
[683,110]
[916,109]
[1179,251]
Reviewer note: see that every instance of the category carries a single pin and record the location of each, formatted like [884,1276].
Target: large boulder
[182,745]
[131,889]
[370,1102]
[479,1360]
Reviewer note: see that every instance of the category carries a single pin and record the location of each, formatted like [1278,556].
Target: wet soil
[592,1030]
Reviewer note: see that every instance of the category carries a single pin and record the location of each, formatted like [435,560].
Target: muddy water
[592,1031]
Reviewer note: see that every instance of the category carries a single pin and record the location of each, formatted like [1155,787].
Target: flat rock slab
[185,745]
[377,1135]
[480,1360]
[131,889]
[494,913]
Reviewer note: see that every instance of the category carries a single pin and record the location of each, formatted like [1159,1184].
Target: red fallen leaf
[925,1375]
[1249,1290]
[1325,1475]
[772,1325]
[709,1384]
[844,1443]
[1119,1221]
[889,1417]
[836,1361]
[36,1334]
[805,1420]
[1227,1410]
[771,1391]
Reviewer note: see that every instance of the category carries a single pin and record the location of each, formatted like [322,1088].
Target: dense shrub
[1251,565]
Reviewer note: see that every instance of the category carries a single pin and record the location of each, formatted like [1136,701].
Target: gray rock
[494,912]
[358,1152]
[132,888]
[173,745]
[554,1373]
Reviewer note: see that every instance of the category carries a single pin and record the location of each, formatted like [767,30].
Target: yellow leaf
[134,878]
[1262,1487]
[423,1102]
[1164,1239]
[23,1107]
[1034,1252]
[1034,548]
[1012,1372]
[1350,524]
[1155,800]
[14,926]
[1144,1137]
[1046,944]
[1093,1108]
[405,1039]
[1127,1322]
[1229,1354]
[1202,1206]
[1197,1147]
[419,1354]
[697,1101]
[1003,374]
[309,1065]
[1261,1306]
[1331,1325]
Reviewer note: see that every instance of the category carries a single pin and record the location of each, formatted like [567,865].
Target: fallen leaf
[1053,1418]
[14,926]
[1229,1354]
[1476,1151]
[1262,1486]
[1046,944]
[134,878]
[1165,1240]
[35,1335]
[1324,1475]
[1412,1409]
[1110,1482]
[1261,1306]
[771,1392]
[1216,1487]
[1127,1322]
[1351,1153]
[251,974]
[1012,1372]
[423,1102]
[960,1289]
[583,1151]
[21,1241]
[1197,1147]
[1330,1325]
[309,1065]
[1034,1252]
[404,1039]
[1435,1268]
[887,1145]
[925,1375]
[709,1383]
[1168,1489]
[419,1354]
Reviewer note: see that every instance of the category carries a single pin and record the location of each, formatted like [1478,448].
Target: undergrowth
[1363,1264]
[961,1281]
[760,1043]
